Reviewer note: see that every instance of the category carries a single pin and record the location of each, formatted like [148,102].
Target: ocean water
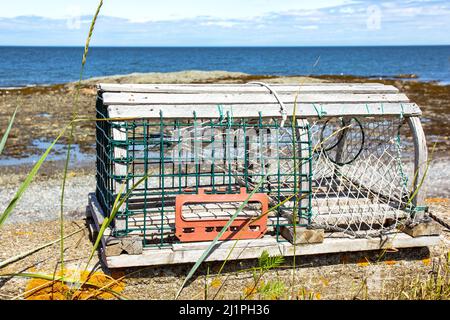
[24,66]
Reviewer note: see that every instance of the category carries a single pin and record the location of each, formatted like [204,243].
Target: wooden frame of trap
[249,101]
[129,252]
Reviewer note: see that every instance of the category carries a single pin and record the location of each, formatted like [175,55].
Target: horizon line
[225,46]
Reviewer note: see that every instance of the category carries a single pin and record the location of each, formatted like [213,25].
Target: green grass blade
[118,202]
[216,239]
[61,279]
[71,135]
[424,175]
[19,257]
[91,31]
[26,183]
[8,129]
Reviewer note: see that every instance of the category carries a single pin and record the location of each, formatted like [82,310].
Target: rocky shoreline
[43,110]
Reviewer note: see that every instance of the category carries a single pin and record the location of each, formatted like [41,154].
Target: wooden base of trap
[301,235]
[128,251]
[424,229]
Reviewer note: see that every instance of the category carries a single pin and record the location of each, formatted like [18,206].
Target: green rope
[421,208]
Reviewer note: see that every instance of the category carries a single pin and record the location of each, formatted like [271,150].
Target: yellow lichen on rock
[95,285]
[437,200]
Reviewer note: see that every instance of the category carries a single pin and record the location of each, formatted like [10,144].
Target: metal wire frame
[168,153]
[353,181]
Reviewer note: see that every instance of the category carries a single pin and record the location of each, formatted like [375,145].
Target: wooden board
[119,153]
[98,218]
[341,217]
[173,111]
[249,88]
[119,98]
[335,215]
[250,249]
[136,87]
[249,100]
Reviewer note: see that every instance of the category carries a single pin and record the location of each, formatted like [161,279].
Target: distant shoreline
[154,77]
[44,66]
[228,46]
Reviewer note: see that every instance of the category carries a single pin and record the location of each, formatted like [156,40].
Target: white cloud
[401,22]
[312,27]
[152,10]
[348,10]
[224,24]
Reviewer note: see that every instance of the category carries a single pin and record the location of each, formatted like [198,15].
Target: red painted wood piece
[207,229]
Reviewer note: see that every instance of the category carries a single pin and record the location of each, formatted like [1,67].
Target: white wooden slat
[243,98]
[119,169]
[97,216]
[336,218]
[169,219]
[317,88]
[267,110]
[154,229]
[133,86]
[248,249]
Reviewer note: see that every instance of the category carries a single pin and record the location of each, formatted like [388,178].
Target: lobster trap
[181,165]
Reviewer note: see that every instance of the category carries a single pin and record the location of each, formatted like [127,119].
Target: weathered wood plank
[343,214]
[97,217]
[248,88]
[250,249]
[266,110]
[133,86]
[137,227]
[119,153]
[168,222]
[266,241]
[117,98]
[111,246]
[301,235]
[430,228]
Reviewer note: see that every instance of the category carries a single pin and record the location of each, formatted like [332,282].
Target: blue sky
[226,23]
